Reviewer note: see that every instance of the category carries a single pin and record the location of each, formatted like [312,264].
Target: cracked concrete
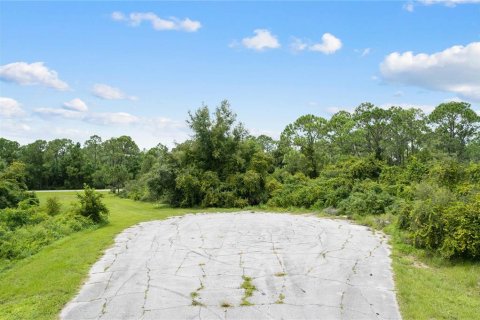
[193,267]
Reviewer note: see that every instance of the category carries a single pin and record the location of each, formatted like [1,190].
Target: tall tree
[308,135]
[33,156]
[455,124]
[408,128]
[375,123]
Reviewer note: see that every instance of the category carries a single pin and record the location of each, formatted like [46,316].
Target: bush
[53,206]
[91,205]
[462,230]
[367,197]
[28,239]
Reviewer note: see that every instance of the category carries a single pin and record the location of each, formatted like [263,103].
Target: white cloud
[10,108]
[118,16]
[330,44]
[454,70]
[35,73]
[62,113]
[160,24]
[76,105]
[107,118]
[448,3]
[107,92]
[13,128]
[262,40]
[365,52]
[112,118]
[410,6]
[298,45]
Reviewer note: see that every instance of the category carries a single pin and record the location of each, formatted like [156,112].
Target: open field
[38,287]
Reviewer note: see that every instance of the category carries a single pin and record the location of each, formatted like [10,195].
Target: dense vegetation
[25,227]
[421,171]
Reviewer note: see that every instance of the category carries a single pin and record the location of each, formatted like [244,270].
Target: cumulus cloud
[330,44]
[262,40]
[76,105]
[107,92]
[10,108]
[35,73]
[160,24]
[455,70]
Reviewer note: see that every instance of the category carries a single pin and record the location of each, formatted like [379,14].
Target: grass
[281,297]
[429,287]
[39,286]
[249,288]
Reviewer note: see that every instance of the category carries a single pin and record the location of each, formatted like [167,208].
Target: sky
[75,69]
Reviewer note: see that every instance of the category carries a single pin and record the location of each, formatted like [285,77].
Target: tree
[342,137]
[8,150]
[455,125]
[33,156]
[375,124]
[121,161]
[216,141]
[307,135]
[408,129]
[91,205]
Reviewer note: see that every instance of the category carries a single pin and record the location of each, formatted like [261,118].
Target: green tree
[308,135]
[455,125]
[8,150]
[92,206]
[375,123]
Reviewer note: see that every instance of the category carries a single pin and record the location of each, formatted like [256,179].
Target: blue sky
[112,68]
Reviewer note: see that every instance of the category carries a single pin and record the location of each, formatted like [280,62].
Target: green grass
[248,288]
[38,287]
[429,287]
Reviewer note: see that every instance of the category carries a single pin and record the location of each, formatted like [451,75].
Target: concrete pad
[193,267]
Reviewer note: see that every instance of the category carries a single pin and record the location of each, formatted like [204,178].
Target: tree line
[421,170]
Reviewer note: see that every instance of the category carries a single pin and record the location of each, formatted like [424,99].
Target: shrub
[91,205]
[53,206]
[367,197]
[462,230]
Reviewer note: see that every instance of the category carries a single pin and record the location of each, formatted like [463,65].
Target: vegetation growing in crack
[281,298]
[225,305]
[195,294]
[249,289]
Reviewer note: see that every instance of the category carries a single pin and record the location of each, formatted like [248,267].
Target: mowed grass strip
[430,288]
[39,286]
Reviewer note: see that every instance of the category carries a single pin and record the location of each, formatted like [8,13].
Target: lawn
[39,286]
